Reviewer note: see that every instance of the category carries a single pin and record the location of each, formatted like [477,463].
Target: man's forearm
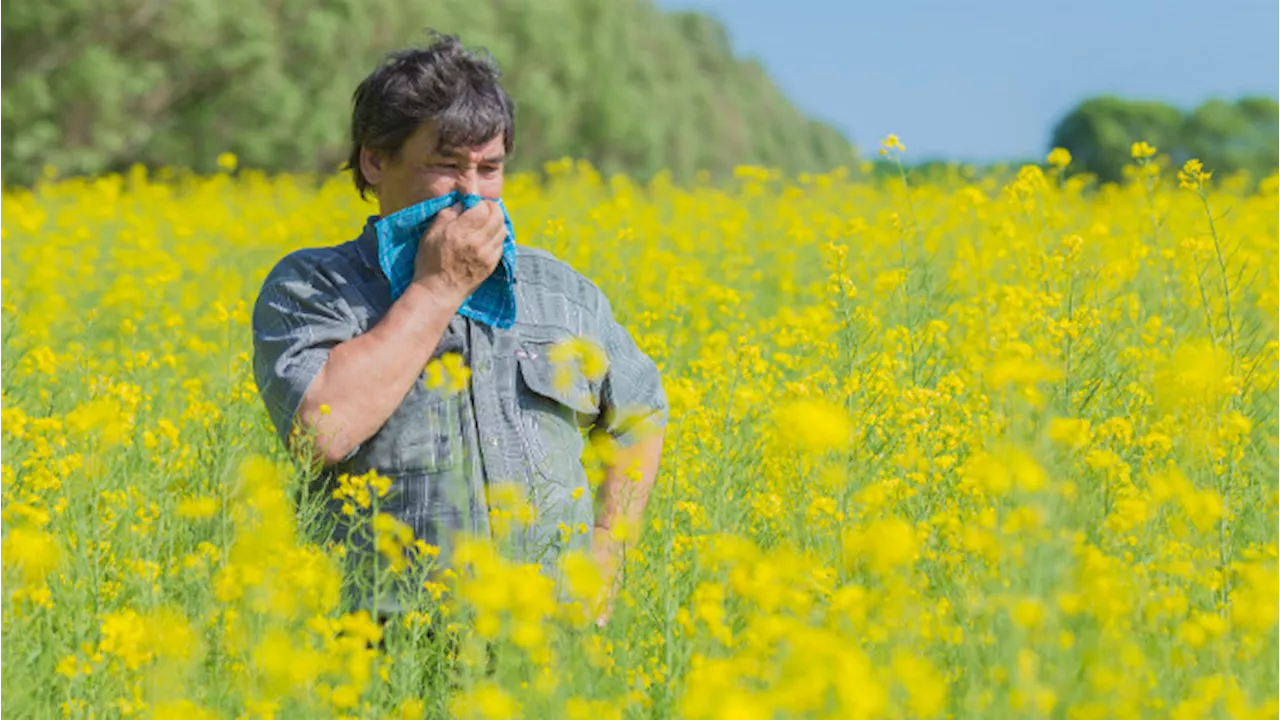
[623,499]
[623,502]
[366,378]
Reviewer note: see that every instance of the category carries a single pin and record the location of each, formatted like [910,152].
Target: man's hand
[458,251]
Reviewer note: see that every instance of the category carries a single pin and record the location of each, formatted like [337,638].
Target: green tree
[1228,137]
[1100,132]
[97,85]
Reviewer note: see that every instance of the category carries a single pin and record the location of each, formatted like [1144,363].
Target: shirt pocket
[555,404]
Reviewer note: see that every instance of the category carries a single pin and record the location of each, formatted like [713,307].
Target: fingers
[476,234]
[494,232]
[480,223]
[493,248]
[446,216]
[497,219]
[440,222]
[497,230]
[482,217]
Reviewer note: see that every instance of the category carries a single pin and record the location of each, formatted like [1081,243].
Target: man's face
[421,170]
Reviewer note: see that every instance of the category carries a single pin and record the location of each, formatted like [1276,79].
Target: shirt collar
[367,243]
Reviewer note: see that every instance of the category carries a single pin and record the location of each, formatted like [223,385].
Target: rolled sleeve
[633,401]
[298,319]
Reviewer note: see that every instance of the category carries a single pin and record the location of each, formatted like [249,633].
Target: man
[339,358]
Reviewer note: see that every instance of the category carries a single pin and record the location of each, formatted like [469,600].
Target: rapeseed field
[970,448]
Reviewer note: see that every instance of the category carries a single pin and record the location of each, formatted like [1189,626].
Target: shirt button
[493,442]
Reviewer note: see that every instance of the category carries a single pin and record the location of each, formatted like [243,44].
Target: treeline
[1226,136]
[97,85]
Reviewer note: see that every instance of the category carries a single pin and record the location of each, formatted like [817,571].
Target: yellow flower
[884,545]
[198,508]
[1193,175]
[1070,432]
[68,666]
[891,142]
[1003,469]
[1202,507]
[577,354]
[447,372]
[1028,614]
[33,552]
[105,418]
[582,576]
[1019,370]
[181,710]
[485,701]
[1195,378]
[392,537]
[457,373]
[1059,157]
[124,635]
[1141,150]
[228,161]
[435,375]
[411,709]
[751,172]
[1269,185]
[926,687]
[344,697]
[813,426]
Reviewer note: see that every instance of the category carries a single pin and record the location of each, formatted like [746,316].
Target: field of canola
[965,449]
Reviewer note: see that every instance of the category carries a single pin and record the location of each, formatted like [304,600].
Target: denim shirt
[514,423]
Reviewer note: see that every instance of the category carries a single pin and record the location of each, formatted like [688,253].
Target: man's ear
[371,161]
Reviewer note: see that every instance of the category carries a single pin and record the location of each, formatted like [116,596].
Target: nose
[469,182]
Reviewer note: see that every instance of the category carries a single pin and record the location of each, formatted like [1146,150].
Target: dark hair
[444,84]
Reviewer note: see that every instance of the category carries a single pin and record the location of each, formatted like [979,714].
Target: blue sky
[987,79]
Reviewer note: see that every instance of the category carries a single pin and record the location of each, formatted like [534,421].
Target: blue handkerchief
[493,303]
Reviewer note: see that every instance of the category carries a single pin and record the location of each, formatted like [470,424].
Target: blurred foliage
[97,85]
[1227,137]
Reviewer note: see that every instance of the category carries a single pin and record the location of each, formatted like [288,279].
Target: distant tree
[1216,133]
[1226,137]
[97,85]
[1263,115]
[1100,132]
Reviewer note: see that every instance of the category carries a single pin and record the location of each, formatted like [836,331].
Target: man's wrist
[425,310]
[426,294]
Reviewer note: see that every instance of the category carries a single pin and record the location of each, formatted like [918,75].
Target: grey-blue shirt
[514,422]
